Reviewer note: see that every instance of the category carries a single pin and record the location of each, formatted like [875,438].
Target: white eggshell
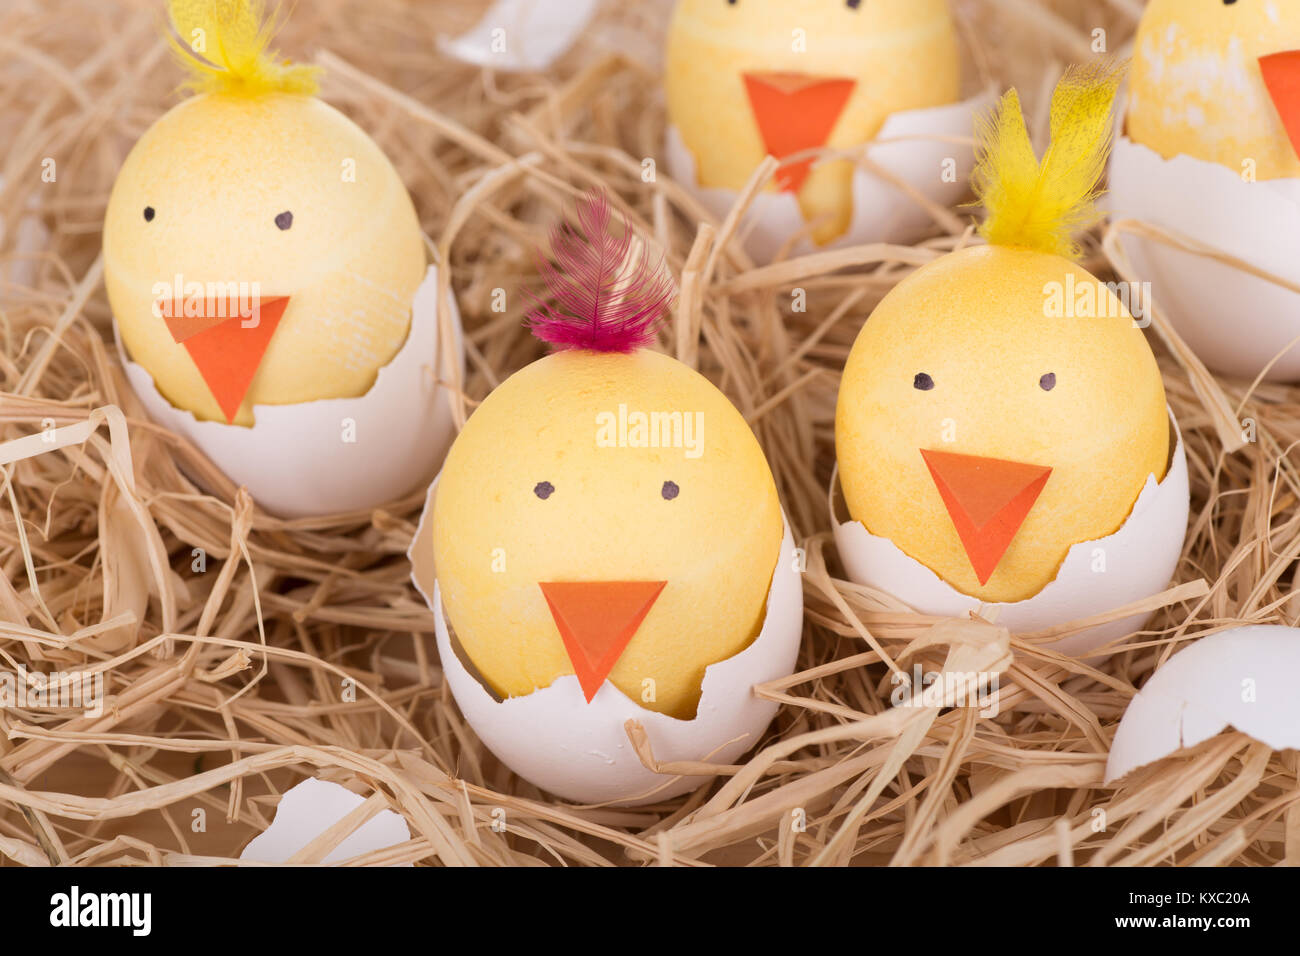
[1140,561]
[312,807]
[1234,321]
[881,211]
[30,238]
[521,35]
[293,459]
[1244,678]
[580,751]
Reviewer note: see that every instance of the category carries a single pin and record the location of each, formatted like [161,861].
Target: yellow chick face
[565,544]
[1219,82]
[750,78]
[261,197]
[970,403]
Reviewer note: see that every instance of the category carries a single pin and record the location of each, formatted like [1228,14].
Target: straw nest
[226,683]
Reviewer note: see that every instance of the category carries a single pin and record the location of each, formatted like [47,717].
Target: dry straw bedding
[226,683]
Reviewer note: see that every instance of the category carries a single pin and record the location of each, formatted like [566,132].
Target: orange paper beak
[796,112]
[596,620]
[988,500]
[1282,77]
[227,339]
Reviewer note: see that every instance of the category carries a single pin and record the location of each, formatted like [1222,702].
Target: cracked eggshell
[1237,323]
[517,36]
[294,461]
[881,211]
[1244,678]
[312,807]
[580,751]
[1140,561]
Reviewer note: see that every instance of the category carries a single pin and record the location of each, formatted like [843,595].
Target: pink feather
[602,302]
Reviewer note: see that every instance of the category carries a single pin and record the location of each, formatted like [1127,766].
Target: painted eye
[670,490]
[148,213]
[922,382]
[543,489]
[853,4]
[1047,382]
[284,220]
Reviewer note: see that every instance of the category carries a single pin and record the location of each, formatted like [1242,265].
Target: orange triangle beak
[226,344]
[1282,77]
[596,620]
[796,112]
[988,500]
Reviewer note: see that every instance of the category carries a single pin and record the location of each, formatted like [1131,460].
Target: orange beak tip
[596,621]
[795,112]
[226,351]
[1281,72]
[988,500]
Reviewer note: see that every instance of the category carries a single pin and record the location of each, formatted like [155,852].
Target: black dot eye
[543,489]
[148,213]
[854,4]
[922,382]
[1047,382]
[284,220]
[670,490]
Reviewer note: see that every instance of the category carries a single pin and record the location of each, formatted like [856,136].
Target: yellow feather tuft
[1041,206]
[225,46]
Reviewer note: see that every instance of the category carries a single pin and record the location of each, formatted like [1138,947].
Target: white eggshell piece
[1244,678]
[580,751]
[521,35]
[881,211]
[1234,321]
[30,238]
[312,807]
[294,460]
[1140,559]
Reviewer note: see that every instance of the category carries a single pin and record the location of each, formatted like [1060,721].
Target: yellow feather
[1041,206]
[225,46]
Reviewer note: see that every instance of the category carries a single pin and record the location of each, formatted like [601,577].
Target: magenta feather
[602,301]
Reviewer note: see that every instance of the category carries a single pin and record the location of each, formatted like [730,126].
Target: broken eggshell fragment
[1244,678]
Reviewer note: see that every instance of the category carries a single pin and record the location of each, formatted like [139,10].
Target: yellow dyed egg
[607,515]
[758,77]
[1213,81]
[259,247]
[992,387]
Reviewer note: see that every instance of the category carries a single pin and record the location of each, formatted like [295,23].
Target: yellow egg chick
[550,483]
[259,247]
[1001,405]
[1219,82]
[749,78]
[606,511]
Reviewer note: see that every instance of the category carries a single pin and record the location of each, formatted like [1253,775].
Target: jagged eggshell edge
[1140,561]
[293,459]
[580,751]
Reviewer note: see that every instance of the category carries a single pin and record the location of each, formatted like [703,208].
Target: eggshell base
[1234,321]
[881,211]
[580,751]
[294,460]
[1140,561]
[1197,694]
